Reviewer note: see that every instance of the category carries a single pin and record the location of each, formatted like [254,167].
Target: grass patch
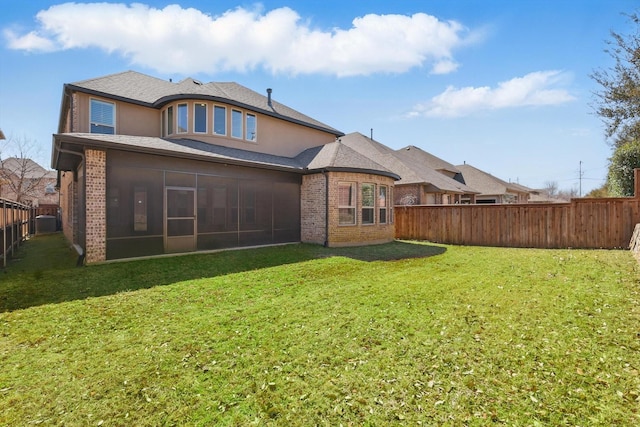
[303,335]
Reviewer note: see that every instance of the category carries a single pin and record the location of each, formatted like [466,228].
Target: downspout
[326,208]
[84,177]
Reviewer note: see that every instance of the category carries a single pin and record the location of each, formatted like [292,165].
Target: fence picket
[582,223]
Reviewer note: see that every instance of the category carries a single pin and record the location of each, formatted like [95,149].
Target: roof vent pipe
[269,90]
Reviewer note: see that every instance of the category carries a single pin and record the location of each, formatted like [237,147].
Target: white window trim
[206,118]
[170,120]
[390,204]
[186,104]
[213,123]
[386,204]
[113,104]
[354,206]
[241,124]
[246,123]
[371,208]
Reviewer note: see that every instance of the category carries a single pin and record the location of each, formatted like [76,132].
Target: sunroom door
[180,219]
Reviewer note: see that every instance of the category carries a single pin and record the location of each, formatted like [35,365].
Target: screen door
[180,223]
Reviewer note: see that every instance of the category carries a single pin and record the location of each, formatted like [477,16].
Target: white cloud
[175,39]
[29,42]
[534,89]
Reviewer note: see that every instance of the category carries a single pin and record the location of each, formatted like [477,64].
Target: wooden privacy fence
[15,219]
[582,223]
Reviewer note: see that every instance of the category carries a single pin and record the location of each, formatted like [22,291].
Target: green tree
[599,192]
[625,159]
[618,101]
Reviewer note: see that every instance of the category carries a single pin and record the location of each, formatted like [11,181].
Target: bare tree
[551,188]
[21,178]
[568,194]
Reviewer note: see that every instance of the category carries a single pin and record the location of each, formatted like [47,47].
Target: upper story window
[200,117]
[170,120]
[368,203]
[194,118]
[182,118]
[346,203]
[219,120]
[236,123]
[103,117]
[251,127]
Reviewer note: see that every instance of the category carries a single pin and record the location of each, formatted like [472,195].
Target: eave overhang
[161,102]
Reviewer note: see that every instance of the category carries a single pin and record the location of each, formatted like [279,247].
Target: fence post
[636,183]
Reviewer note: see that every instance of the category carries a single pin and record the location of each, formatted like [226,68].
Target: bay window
[236,123]
[383,204]
[347,203]
[200,117]
[182,118]
[368,203]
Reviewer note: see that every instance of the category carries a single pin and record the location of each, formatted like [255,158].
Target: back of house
[149,167]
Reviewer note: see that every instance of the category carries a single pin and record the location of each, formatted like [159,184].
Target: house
[148,167]
[419,183]
[492,189]
[415,154]
[25,181]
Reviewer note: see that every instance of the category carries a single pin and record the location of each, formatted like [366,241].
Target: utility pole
[580,179]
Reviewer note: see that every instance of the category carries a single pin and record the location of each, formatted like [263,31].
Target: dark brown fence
[15,219]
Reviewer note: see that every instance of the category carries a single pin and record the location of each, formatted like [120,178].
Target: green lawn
[405,333]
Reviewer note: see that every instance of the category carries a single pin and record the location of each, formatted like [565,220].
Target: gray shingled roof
[338,156]
[488,184]
[409,173]
[415,154]
[332,156]
[26,168]
[139,88]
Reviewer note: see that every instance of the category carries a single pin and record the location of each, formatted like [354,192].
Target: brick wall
[96,206]
[358,234]
[408,194]
[312,209]
[313,212]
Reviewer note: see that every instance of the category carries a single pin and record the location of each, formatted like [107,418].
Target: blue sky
[501,85]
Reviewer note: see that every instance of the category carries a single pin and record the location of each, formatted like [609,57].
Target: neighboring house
[542,196]
[419,183]
[149,167]
[415,154]
[25,181]
[491,188]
